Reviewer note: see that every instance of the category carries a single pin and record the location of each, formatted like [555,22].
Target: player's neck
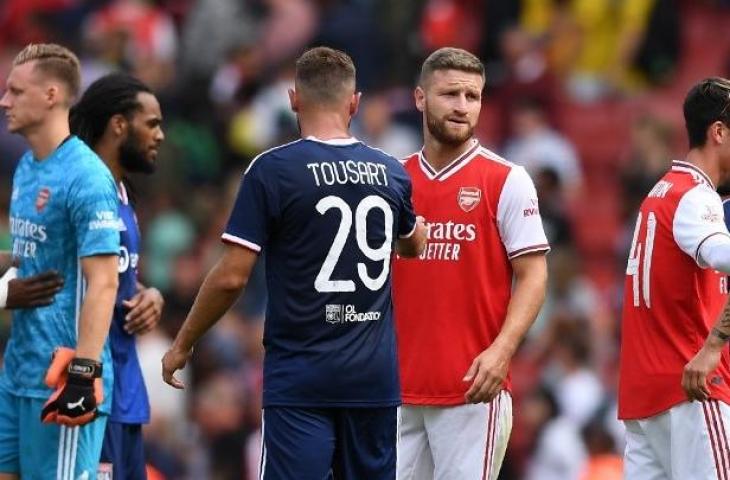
[706,161]
[108,151]
[47,137]
[439,155]
[324,125]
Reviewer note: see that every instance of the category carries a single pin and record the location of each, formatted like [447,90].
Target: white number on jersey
[635,258]
[323,281]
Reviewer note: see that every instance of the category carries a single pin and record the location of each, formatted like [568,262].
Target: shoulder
[410,159]
[82,159]
[699,194]
[266,159]
[24,162]
[383,156]
[83,167]
[500,171]
[699,202]
[488,159]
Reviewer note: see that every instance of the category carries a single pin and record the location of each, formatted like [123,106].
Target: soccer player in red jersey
[459,318]
[674,385]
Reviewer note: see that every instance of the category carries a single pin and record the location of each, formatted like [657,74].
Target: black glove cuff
[84,368]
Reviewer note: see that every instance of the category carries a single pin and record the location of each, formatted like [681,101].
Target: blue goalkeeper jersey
[62,209]
[326,216]
[130,403]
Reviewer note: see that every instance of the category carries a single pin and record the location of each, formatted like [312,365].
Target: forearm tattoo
[722,336]
[722,330]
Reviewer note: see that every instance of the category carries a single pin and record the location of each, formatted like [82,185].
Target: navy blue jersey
[726,211]
[129,401]
[326,215]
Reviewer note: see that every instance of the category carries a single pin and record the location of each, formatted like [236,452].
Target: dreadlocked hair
[110,95]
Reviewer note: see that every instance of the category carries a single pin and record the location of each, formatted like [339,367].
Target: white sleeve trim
[410,234]
[714,252]
[699,216]
[227,237]
[523,251]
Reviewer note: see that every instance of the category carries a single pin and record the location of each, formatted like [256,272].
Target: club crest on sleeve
[42,199]
[469,198]
[711,215]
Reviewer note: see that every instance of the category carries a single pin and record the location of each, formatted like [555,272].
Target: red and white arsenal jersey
[451,302]
[671,300]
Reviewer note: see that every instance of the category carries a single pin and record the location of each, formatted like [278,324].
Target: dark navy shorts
[122,455]
[329,443]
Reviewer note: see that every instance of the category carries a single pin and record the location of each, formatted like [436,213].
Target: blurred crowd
[221,69]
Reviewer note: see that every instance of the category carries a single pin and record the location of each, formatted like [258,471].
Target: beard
[133,157]
[437,128]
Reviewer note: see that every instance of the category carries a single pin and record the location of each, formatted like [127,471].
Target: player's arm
[489,369]
[713,252]
[694,376]
[413,244]
[220,289]
[75,375]
[102,279]
[144,310]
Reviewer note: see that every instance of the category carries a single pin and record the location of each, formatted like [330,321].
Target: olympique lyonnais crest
[469,198]
[333,313]
[42,199]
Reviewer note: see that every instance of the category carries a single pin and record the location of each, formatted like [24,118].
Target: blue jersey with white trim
[326,215]
[62,209]
[130,403]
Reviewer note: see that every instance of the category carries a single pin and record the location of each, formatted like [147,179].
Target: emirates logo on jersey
[469,198]
[42,199]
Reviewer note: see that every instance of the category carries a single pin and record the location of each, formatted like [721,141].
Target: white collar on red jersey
[692,169]
[334,141]
[452,167]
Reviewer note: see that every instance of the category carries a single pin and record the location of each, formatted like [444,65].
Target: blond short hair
[450,58]
[55,61]
[324,74]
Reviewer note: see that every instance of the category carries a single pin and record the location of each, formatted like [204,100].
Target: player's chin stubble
[437,128]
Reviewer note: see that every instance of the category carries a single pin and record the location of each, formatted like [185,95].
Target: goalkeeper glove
[78,389]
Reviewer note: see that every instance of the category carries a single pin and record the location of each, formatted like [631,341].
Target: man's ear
[718,133]
[118,125]
[355,103]
[293,100]
[419,95]
[53,94]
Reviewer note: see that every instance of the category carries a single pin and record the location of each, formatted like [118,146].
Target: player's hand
[78,389]
[145,311]
[174,360]
[487,374]
[694,376]
[36,291]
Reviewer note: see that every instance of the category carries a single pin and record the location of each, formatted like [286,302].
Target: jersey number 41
[642,284]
